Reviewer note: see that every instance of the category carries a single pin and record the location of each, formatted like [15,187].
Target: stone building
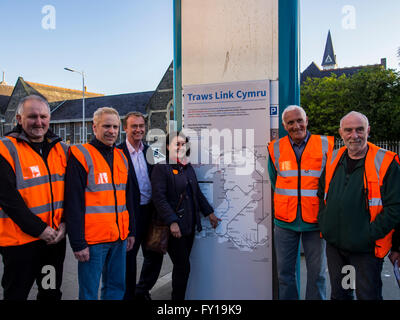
[160,108]
[66,107]
[11,95]
[66,117]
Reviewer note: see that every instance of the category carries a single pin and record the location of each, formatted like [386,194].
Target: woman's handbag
[158,234]
[157,237]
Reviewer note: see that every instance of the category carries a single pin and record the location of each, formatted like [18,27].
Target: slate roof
[6,90]
[3,103]
[313,71]
[53,93]
[124,103]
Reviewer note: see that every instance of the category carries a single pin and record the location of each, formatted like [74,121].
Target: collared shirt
[299,148]
[142,175]
[298,224]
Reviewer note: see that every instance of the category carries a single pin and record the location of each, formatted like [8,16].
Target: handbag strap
[180,200]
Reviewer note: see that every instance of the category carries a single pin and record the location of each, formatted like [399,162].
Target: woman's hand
[175,231]
[214,220]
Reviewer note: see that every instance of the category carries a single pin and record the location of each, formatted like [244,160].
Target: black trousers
[179,252]
[367,267]
[29,262]
[152,260]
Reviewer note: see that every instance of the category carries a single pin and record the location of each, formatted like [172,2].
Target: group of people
[343,204]
[103,196]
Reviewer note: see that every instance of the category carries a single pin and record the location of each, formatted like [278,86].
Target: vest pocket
[309,209]
[281,208]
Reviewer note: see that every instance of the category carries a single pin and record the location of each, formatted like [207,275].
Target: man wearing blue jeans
[295,164]
[99,218]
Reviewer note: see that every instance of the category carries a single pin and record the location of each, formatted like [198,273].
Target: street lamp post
[83,138]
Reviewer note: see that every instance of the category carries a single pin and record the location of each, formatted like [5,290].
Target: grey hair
[291,108]
[30,97]
[103,110]
[355,113]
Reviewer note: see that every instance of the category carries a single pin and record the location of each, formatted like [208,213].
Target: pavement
[162,289]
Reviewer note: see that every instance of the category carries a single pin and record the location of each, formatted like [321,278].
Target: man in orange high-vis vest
[360,207]
[99,218]
[295,164]
[32,230]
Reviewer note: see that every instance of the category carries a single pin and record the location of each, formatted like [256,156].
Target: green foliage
[373,91]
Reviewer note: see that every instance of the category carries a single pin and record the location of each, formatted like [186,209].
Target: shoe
[143,297]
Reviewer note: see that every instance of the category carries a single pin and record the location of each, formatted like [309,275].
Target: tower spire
[329,59]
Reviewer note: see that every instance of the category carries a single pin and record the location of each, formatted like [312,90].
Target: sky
[126,46]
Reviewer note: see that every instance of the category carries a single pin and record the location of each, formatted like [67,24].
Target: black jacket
[133,185]
[10,199]
[74,208]
[168,182]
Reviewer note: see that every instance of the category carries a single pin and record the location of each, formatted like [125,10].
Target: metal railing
[388,145]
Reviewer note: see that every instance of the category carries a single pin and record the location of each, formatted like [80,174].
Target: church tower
[329,59]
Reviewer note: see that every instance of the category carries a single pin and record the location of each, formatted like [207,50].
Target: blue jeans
[106,260]
[368,269]
[286,247]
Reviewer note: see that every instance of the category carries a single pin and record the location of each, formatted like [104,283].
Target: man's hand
[48,235]
[175,230]
[130,243]
[214,220]
[60,234]
[83,255]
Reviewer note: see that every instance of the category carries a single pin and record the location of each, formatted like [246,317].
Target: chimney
[4,79]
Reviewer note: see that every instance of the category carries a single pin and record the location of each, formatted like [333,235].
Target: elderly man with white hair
[359,208]
[295,164]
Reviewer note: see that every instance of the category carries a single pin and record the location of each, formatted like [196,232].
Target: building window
[62,131]
[171,126]
[77,133]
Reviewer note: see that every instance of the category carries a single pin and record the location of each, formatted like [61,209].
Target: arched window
[171,126]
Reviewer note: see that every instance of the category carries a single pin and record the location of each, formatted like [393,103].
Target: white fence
[388,145]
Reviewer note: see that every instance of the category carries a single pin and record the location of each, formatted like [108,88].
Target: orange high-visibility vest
[296,183]
[106,215]
[41,186]
[377,162]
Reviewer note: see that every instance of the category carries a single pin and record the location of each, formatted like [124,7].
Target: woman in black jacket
[178,200]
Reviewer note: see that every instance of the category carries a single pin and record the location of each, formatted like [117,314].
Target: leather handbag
[157,238]
[158,233]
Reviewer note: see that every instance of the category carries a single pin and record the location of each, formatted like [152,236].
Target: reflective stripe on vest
[377,162]
[287,189]
[106,215]
[41,186]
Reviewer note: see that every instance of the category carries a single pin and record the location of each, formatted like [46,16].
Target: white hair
[292,108]
[355,113]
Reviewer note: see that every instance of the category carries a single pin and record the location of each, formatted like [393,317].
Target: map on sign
[238,200]
[228,126]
